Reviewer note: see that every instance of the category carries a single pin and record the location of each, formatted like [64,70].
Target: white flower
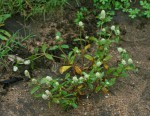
[120,49]
[75,79]
[103,14]
[27,62]
[86,37]
[86,76]
[81,78]
[112,28]
[117,32]
[103,29]
[103,40]
[81,24]
[97,74]
[57,37]
[123,62]
[130,61]
[56,83]
[45,97]
[27,74]
[34,81]
[48,93]
[15,68]
[98,63]
[49,78]
[107,83]
[124,51]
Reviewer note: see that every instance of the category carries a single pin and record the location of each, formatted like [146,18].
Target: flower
[48,93]
[34,81]
[86,37]
[44,96]
[27,62]
[117,32]
[123,62]
[130,61]
[124,51]
[120,49]
[27,74]
[75,79]
[49,78]
[57,37]
[103,29]
[15,68]
[98,63]
[103,40]
[97,74]
[86,76]
[81,78]
[112,28]
[103,14]
[81,24]
[56,83]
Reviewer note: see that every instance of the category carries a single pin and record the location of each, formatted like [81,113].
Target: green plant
[146,8]
[86,68]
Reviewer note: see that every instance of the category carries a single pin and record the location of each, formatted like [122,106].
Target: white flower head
[98,64]
[103,14]
[123,62]
[130,61]
[120,49]
[86,37]
[103,40]
[57,83]
[34,81]
[103,29]
[49,78]
[86,76]
[97,74]
[112,28]
[117,32]
[45,97]
[57,37]
[27,74]
[27,62]
[81,24]
[48,93]
[124,51]
[81,78]
[15,68]
[75,79]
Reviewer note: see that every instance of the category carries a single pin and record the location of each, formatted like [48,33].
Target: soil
[128,97]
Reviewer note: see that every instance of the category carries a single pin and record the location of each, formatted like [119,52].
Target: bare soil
[128,97]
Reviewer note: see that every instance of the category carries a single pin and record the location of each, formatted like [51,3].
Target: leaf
[89,57]
[50,57]
[112,81]
[44,47]
[98,88]
[64,46]
[35,89]
[3,38]
[63,69]
[53,48]
[5,33]
[87,47]
[74,105]
[78,70]
[105,90]
[105,66]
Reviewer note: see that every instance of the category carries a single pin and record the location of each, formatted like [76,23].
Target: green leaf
[44,47]
[112,81]
[74,105]
[89,57]
[98,88]
[53,48]
[64,46]
[50,57]
[35,89]
[3,38]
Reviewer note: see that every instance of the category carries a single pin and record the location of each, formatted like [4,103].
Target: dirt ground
[128,97]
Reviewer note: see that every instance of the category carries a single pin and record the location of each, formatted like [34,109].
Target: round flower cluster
[46,95]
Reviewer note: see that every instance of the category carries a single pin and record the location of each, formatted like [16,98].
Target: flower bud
[103,14]
[81,24]
[97,74]
[112,28]
[117,32]
[130,61]
[81,78]
[86,76]
[49,78]
[75,79]
[48,93]
[27,74]
[123,62]
[56,83]
[15,68]
[57,37]
[103,40]
[120,49]
[45,97]
[34,81]
[98,63]
[27,62]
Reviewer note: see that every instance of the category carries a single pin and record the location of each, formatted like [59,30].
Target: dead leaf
[105,66]
[87,47]
[78,70]
[63,69]
[105,90]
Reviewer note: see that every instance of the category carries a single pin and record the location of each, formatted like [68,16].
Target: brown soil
[128,97]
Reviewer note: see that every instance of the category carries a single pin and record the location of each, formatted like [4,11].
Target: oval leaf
[63,69]
[78,70]
[50,57]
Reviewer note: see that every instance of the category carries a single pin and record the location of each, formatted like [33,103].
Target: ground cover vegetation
[85,68]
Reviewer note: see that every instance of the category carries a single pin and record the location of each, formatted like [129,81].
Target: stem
[63,53]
